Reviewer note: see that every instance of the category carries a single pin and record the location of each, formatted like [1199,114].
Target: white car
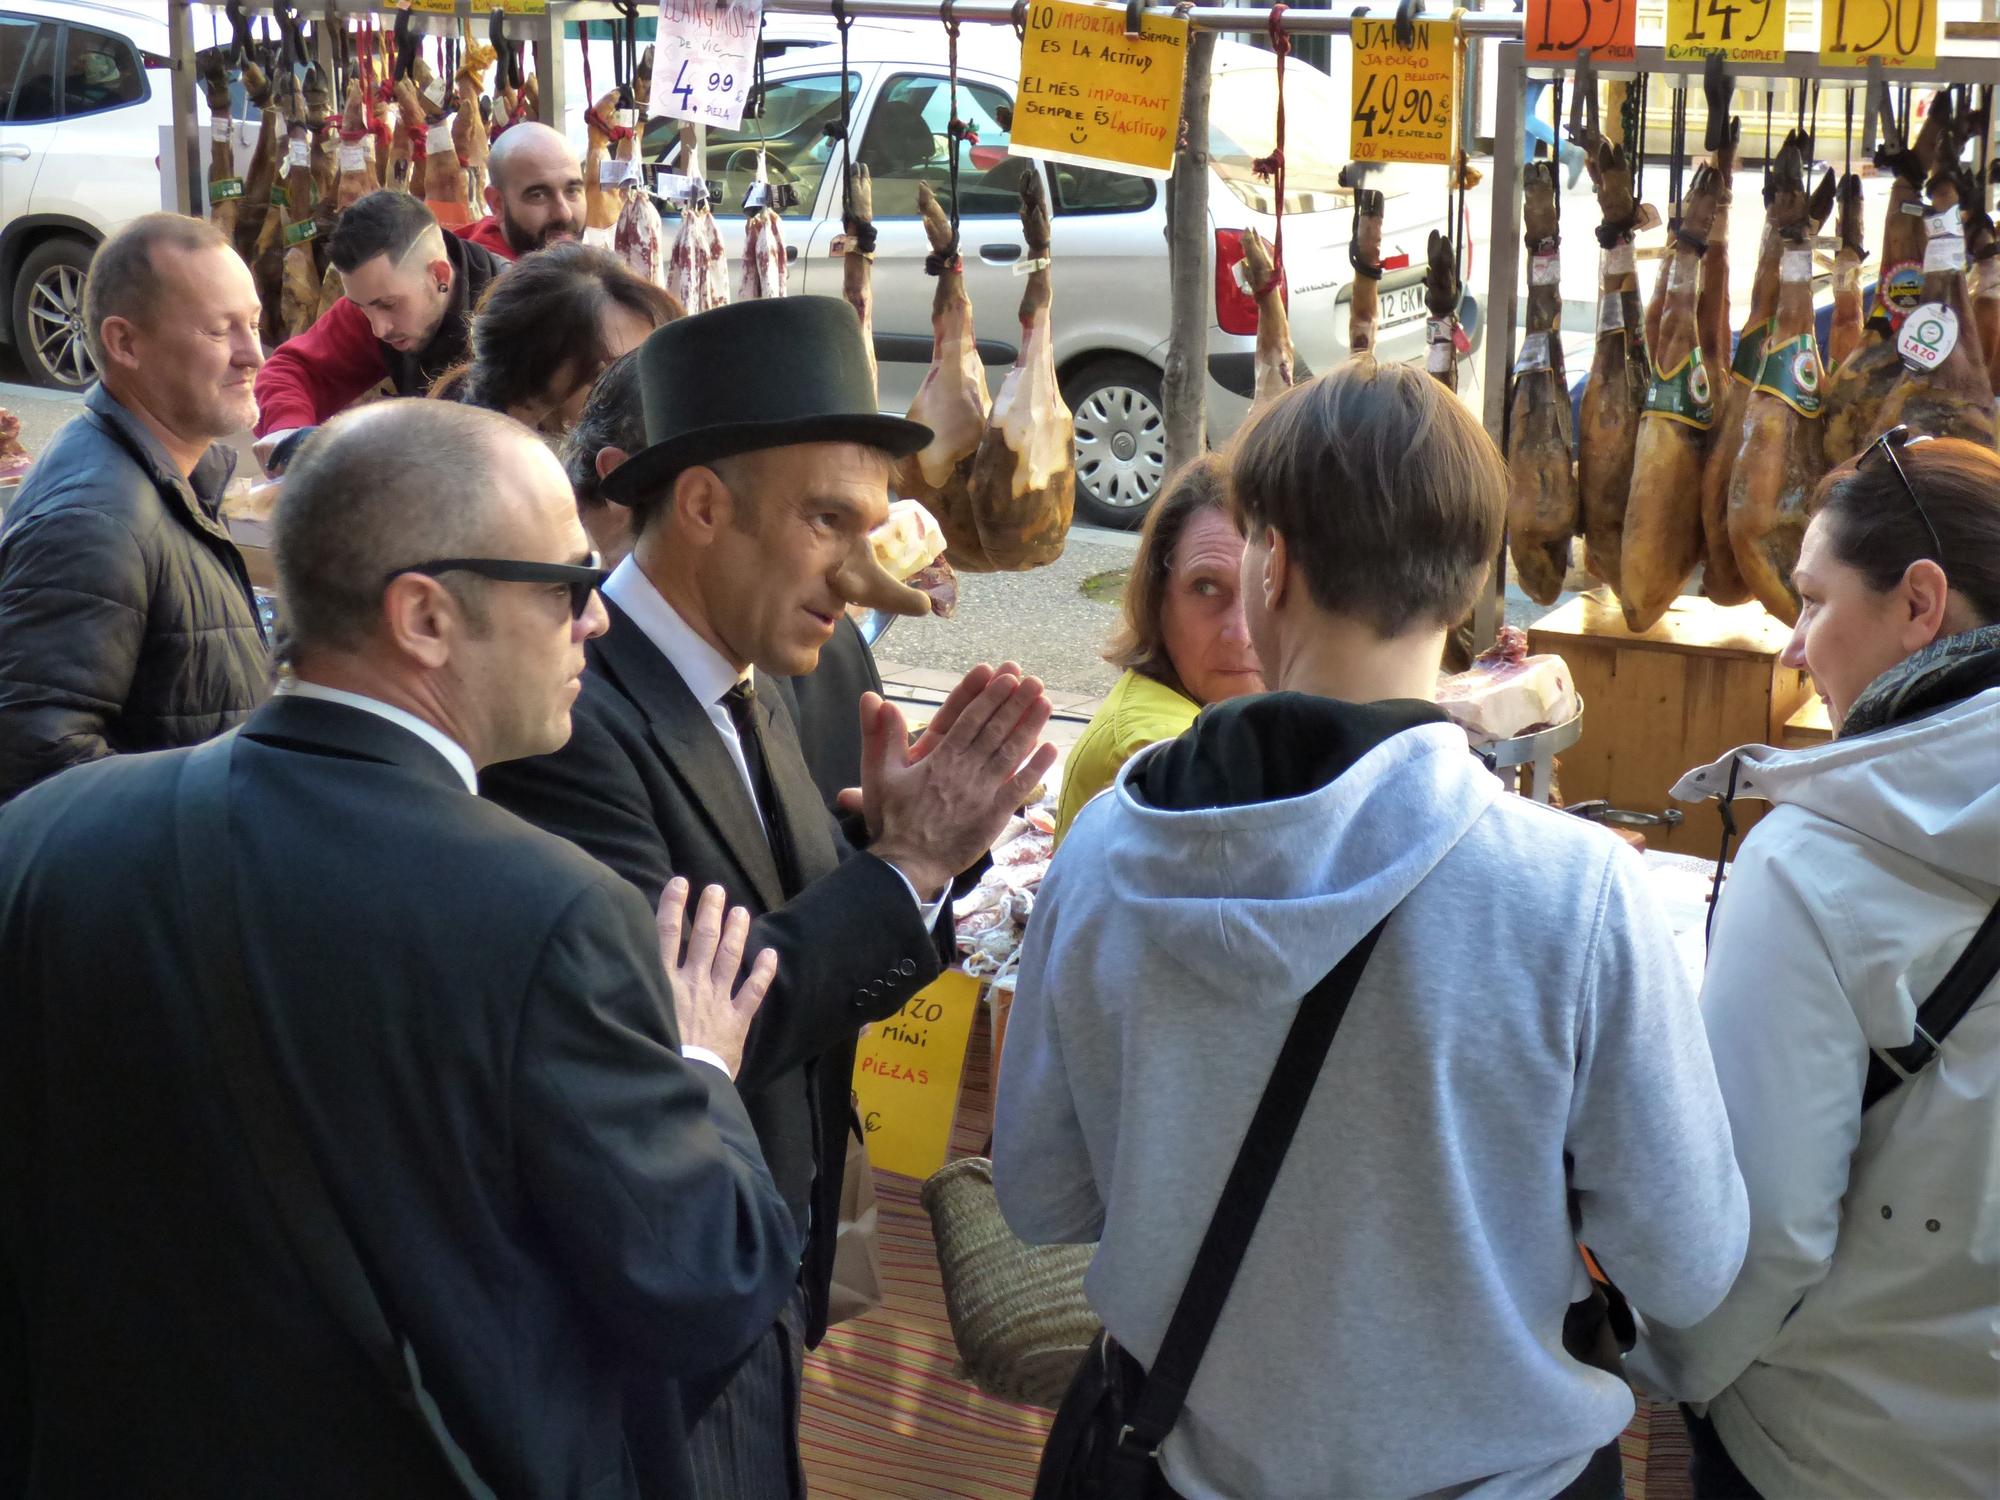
[1109,233]
[84,92]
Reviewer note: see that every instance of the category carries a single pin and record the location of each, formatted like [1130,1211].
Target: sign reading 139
[1903,33]
[1741,30]
[1558,29]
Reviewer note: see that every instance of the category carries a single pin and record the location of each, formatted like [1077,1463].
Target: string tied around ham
[1272,168]
[938,262]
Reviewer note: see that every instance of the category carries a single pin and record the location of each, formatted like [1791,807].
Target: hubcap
[55,325]
[1121,447]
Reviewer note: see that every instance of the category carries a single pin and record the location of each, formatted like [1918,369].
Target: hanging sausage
[1541,499]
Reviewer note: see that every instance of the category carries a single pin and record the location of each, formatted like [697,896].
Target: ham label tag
[1749,361]
[1901,288]
[1928,337]
[438,138]
[353,158]
[1685,395]
[1792,373]
[224,189]
[1611,313]
[1544,269]
[617,171]
[299,154]
[299,233]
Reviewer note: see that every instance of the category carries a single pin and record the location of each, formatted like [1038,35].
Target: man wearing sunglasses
[376,1140]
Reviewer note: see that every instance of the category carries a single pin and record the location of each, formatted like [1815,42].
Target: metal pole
[551,69]
[1503,269]
[187,133]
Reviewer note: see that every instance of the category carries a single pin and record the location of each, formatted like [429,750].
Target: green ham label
[1793,374]
[1685,394]
[299,233]
[1750,352]
[223,189]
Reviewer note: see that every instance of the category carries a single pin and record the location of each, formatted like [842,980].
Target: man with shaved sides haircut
[534,191]
[357,1138]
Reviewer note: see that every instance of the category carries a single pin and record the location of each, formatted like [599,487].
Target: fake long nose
[861,579]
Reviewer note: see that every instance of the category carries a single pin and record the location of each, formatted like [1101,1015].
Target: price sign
[525,7]
[1093,96]
[1559,29]
[1404,98]
[907,1071]
[707,60]
[1903,33]
[431,7]
[1750,31]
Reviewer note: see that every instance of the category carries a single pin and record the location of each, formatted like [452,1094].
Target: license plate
[1402,305]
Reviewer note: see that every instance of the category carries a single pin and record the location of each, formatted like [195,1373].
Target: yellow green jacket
[1138,712]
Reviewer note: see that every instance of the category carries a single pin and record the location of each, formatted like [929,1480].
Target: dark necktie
[741,701]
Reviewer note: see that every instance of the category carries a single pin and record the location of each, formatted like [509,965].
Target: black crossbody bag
[311,1223]
[1105,1441]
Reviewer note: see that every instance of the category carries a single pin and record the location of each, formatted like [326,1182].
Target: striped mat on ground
[888,1418]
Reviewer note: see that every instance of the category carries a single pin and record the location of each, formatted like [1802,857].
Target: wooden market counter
[1659,702]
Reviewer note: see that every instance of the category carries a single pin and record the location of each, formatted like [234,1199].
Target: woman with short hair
[1181,639]
[1855,1355]
[546,329]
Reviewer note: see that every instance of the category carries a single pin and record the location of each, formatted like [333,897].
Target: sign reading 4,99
[1558,29]
[1903,33]
[707,60]
[1741,30]
[1404,96]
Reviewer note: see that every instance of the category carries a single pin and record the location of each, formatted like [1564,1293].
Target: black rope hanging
[841,131]
[956,130]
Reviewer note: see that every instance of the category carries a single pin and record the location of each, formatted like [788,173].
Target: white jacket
[1859,1352]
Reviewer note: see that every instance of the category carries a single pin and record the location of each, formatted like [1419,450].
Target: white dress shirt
[430,734]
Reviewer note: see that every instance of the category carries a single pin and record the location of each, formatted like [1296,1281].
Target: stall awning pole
[187,128]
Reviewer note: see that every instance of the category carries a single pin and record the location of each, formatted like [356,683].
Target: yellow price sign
[1404,97]
[1750,31]
[525,7]
[433,7]
[1903,33]
[907,1072]
[1093,96]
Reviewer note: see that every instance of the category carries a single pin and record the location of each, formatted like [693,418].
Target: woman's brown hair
[542,319]
[1878,530]
[1138,645]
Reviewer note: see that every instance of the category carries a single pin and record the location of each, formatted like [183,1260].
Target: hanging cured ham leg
[1663,535]
[952,402]
[600,205]
[1844,335]
[857,261]
[1442,294]
[1541,501]
[1712,300]
[225,188]
[1274,359]
[1616,393]
[468,130]
[14,459]
[1982,244]
[1024,476]
[1944,389]
[1364,253]
[299,276]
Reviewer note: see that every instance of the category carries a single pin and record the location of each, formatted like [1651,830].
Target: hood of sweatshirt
[1310,818]
[1928,787]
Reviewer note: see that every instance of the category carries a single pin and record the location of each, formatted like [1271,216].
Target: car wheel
[1121,440]
[48,315]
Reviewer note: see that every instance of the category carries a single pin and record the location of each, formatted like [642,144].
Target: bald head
[535,187]
[389,485]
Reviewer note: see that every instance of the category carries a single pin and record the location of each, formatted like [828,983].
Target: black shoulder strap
[1243,1197]
[1945,1008]
[311,1223]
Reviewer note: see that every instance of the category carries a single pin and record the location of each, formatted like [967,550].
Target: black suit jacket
[826,710]
[472,1021]
[646,784]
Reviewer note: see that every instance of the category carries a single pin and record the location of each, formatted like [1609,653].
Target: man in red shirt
[405,318]
[535,189]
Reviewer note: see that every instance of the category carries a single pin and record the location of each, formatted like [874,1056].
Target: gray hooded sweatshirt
[1396,1327]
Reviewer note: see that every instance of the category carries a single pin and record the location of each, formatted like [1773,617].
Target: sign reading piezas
[1094,96]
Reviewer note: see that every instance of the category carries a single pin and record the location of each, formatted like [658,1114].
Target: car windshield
[1242,112]
[791,131]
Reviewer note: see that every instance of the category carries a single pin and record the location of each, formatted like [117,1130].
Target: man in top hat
[766,467]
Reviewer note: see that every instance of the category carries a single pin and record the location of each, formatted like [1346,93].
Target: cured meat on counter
[952,402]
[1364,253]
[1024,475]
[698,266]
[1442,294]
[1782,453]
[1945,388]
[857,260]
[1541,498]
[1663,536]
[1274,359]
[1786,207]
[1862,382]
[1616,393]
[1845,333]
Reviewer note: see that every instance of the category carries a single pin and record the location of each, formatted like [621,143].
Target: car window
[100,71]
[906,144]
[791,128]
[27,71]
[1242,110]
[1096,190]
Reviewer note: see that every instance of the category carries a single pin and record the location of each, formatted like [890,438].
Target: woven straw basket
[1017,1310]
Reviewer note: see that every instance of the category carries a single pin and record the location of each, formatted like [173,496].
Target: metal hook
[1135,17]
[1406,24]
[1583,118]
[1020,20]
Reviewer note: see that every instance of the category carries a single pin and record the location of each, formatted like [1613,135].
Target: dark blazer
[126,616]
[646,784]
[472,1020]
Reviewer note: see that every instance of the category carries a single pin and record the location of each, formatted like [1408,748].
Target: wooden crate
[1808,725]
[1660,702]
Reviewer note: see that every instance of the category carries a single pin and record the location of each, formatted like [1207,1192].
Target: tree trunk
[1184,392]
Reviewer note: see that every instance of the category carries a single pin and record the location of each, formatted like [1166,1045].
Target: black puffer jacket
[126,616]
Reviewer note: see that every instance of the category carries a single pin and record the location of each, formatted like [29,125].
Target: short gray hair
[384,487]
[124,281]
[612,417]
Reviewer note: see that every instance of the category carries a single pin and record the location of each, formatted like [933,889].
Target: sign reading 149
[1404,97]
[1741,30]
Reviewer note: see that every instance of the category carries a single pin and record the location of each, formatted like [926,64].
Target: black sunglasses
[583,579]
[1888,443]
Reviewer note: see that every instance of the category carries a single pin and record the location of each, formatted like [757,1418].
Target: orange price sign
[1559,29]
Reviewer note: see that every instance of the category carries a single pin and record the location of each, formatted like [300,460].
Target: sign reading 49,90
[1404,96]
[1903,33]
[1741,30]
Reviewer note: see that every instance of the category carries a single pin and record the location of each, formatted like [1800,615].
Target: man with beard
[535,191]
[126,617]
[406,319]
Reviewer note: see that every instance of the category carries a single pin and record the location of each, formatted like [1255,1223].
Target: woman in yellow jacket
[1182,640]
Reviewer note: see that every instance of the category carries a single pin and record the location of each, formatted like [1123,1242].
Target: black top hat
[750,376]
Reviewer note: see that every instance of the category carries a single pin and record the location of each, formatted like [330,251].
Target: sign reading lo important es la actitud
[1094,96]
